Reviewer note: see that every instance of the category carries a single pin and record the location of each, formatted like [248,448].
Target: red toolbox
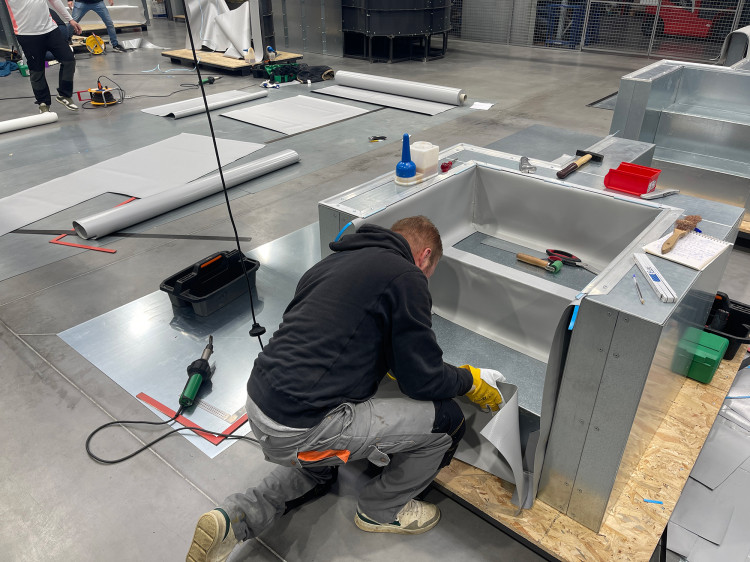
[632,178]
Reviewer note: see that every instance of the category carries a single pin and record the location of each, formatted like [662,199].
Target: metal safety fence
[686,29]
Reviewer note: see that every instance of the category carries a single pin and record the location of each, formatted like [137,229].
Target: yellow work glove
[482,392]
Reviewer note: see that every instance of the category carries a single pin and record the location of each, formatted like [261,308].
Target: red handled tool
[569,259]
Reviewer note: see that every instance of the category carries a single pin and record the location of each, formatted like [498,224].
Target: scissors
[569,259]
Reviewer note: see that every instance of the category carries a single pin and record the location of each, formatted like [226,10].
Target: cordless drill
[198,372]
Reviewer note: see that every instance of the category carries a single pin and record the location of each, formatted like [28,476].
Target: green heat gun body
[198,372]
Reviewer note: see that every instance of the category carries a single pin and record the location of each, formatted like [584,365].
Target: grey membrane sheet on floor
[387,100]
[138,173]
[711,519]
[194,106]
[294,115]
[168,341]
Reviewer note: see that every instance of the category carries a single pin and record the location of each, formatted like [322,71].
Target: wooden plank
[631,530]
[100,28]
[745,227]
[208,58]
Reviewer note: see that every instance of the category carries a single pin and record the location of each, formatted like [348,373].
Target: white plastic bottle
[425,155]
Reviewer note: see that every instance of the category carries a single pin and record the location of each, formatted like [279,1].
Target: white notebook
[693,250]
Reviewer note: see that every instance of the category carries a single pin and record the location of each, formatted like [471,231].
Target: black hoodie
[356,314]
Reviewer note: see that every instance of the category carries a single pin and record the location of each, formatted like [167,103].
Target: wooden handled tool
[681,228]
[554,266]
[585,156]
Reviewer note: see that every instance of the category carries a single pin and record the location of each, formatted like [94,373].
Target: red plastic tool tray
[632,178]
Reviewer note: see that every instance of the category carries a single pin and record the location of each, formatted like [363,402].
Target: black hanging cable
[257,330]
[122,423]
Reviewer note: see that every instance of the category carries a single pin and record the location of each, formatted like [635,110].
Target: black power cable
[256,331]
[122,423]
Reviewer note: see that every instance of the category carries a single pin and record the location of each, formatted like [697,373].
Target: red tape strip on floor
[215,439]
[57,241]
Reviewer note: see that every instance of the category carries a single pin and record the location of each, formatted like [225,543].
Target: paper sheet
[481,105]
[693,250]
[294,115]
[138,173]
[195,105]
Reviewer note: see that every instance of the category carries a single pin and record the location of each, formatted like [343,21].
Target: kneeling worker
[359,313]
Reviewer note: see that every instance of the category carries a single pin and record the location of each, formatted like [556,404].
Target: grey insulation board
[294,115]
[387,100]
[138,173]
[195,105]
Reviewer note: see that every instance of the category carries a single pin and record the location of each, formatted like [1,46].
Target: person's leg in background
[58,46]
[79,10]
[34,48]
[102,11]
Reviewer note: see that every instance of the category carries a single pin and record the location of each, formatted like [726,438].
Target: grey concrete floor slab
[60,505]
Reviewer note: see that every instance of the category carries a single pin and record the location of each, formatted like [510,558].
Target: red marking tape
[126,201]
[215,439]
[96,249]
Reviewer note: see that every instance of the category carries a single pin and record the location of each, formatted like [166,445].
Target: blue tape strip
[347,225]
[653,501]
[573,319]
[737,397]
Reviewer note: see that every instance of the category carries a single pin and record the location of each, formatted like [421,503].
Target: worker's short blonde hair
[420,233]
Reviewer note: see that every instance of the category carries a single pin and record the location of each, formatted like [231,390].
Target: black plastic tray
[737,328]
[211,283]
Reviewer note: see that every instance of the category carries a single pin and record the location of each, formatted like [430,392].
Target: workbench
[631,531]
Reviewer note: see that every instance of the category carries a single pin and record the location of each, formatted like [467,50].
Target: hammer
[585,156]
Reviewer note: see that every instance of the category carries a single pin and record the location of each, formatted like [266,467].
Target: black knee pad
[449,419]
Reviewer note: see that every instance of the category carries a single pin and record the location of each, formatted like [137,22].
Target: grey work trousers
[395,433]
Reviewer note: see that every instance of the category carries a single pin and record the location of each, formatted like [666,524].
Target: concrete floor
[60,505]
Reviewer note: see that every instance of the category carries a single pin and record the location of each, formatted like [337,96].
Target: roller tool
[199,372]
[569,259]
[585,156]
[553,266]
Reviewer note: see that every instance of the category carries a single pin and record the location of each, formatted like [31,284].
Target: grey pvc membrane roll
[112,220]
[430,92]
[26,122]
[195,105]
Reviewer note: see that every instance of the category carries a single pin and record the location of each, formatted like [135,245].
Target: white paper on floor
[481,105]
[387,100]
[194,106]
[138,173]
[294,115]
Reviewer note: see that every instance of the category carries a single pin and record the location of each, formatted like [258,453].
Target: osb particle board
[218,59]
[99,27]
[745,227]
[631,530]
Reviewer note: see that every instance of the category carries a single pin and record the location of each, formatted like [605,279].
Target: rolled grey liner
[26,122]
[195,105]
[440,94]
[112,220]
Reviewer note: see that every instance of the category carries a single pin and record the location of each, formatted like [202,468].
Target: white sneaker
[414,518]
[213,540]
